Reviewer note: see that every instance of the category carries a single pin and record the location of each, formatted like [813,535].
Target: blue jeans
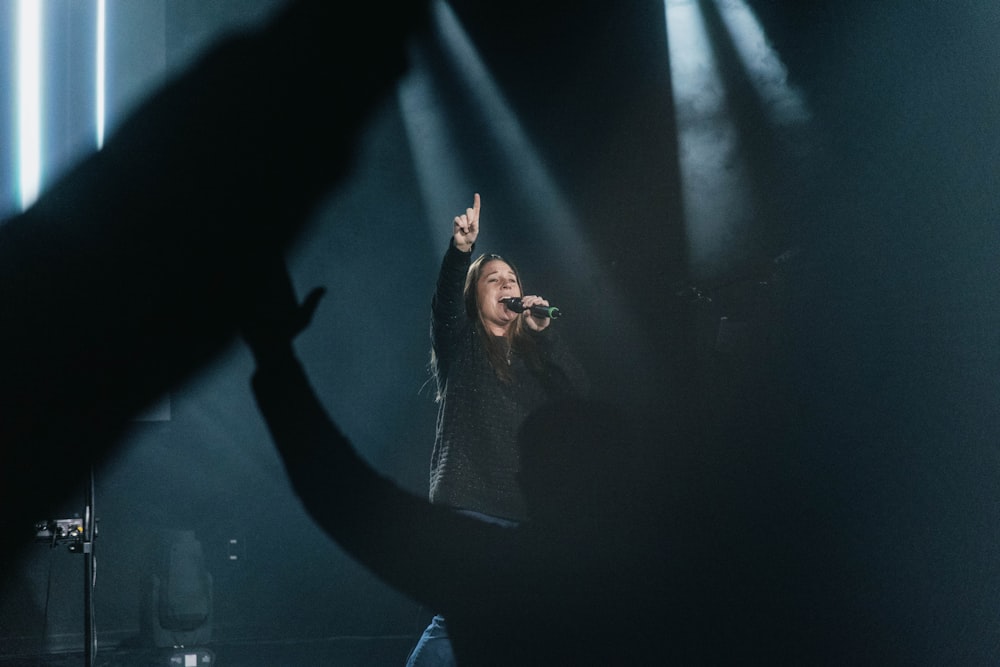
[433,649]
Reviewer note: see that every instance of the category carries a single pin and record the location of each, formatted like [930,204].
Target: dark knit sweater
[474,462]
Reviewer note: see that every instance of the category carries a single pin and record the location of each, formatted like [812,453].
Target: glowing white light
[712,172]
[29,98]
[714,168]
[99,68]
[767,73]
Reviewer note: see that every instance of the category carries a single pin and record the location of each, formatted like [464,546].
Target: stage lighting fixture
[195,657]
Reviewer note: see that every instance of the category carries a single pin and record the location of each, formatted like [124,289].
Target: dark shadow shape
[126,275]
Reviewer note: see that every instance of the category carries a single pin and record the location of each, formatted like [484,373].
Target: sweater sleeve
[448,317]
[562,373]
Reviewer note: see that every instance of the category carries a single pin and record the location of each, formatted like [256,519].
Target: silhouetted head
[578,455]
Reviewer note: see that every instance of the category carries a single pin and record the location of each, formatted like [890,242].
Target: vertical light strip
[99,69]
[29,98]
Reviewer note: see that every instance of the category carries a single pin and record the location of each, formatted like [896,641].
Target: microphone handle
[514,303]
[545,311]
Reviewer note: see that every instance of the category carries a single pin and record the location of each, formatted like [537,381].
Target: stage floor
[335,652]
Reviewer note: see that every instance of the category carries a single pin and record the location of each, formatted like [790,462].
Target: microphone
[514,303]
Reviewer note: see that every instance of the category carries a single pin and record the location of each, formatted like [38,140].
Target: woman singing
[493,363]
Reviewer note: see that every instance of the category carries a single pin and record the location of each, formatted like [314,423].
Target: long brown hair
[498,349]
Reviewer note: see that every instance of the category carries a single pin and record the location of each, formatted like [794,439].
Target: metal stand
[89,574]
[80,533]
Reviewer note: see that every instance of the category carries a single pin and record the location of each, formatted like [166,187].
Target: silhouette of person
[127,274]
[493,363]
[580,580]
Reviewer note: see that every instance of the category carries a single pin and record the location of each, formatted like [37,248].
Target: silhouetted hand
[275,318]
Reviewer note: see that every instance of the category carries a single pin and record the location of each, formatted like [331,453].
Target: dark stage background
[794,271]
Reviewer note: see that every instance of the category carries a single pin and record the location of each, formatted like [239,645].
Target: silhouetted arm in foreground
[580,582]
[401,537]
[127,274]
